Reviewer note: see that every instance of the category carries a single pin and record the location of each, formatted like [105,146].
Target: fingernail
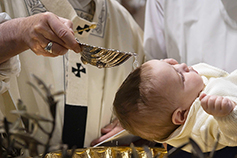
[77,40]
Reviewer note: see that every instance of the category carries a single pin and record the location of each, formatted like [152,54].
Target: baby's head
[155,98]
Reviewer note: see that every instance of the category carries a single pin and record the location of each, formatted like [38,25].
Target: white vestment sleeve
[9,67]
[154,41]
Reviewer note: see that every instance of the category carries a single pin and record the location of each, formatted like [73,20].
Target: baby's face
[182,84]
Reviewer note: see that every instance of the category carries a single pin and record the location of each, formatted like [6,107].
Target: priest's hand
[45,34]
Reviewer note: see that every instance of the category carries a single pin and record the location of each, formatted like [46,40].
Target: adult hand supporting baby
[216,105]
[108,131]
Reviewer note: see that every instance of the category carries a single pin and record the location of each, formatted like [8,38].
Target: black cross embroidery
[80,29]
[79,69]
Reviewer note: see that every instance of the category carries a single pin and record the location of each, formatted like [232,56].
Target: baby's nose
[184,67]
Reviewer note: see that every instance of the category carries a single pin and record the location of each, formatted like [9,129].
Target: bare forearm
[11,42]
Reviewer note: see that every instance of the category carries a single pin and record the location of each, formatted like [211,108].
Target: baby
[169,103]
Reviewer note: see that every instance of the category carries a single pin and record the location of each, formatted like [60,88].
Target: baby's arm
[216,105]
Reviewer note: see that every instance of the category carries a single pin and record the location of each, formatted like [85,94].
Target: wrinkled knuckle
[38,28]
[62,33]
[47,15]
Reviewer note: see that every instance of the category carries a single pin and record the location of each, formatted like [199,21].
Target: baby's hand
[216,105]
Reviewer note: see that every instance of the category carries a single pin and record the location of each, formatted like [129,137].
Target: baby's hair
[141,109]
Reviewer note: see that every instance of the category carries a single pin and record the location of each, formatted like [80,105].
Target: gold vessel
[111,152]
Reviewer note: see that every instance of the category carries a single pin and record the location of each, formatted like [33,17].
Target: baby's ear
[179,116]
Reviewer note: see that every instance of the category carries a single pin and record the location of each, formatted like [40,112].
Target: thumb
[202,95]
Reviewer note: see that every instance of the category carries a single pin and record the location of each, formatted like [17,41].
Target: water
[135,63]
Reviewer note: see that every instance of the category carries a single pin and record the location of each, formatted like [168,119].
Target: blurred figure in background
[192,31]
[137,9]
